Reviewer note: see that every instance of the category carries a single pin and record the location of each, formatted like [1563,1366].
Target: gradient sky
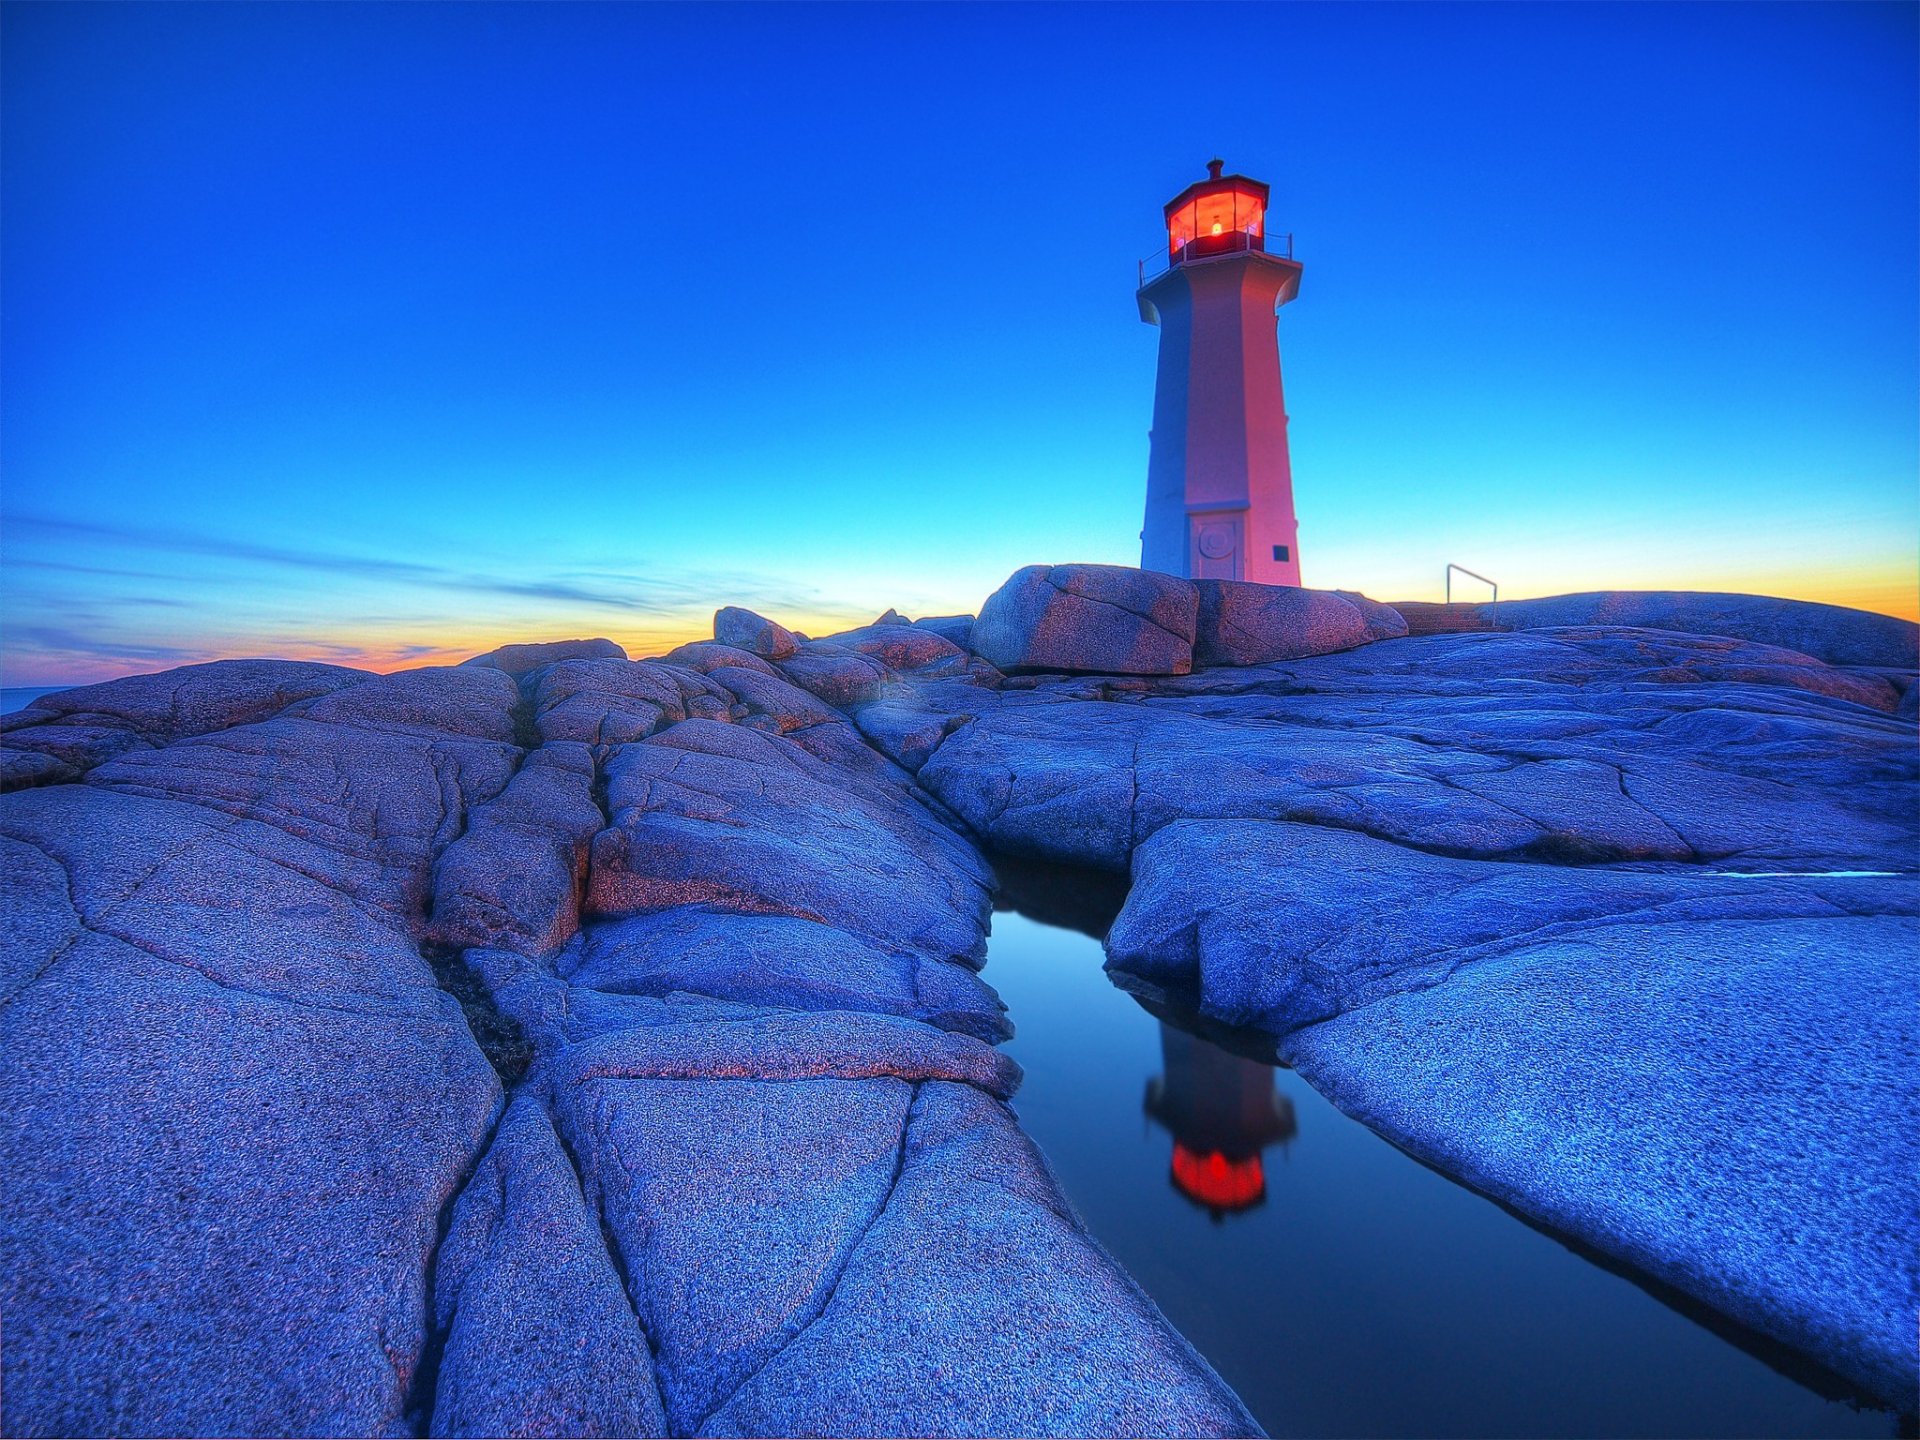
[384,333]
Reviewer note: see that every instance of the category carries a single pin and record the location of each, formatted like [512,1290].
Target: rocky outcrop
[1101,618]
[755,1174]
[1832,633]
[1706,1076]
[904,647]
[1577,745]
[757,635]
[957,628]
[236,1102]
[1512,899]
[1109,620]
[517,660]
[1244,624]
[62,736]
[577,1044]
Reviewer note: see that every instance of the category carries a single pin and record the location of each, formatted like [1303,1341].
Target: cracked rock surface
[569,1044]
[557,1044]
[1550,909]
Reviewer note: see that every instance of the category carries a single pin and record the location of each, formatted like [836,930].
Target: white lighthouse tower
[1219,484]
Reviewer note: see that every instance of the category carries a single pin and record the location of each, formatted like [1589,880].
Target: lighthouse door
[1213,547]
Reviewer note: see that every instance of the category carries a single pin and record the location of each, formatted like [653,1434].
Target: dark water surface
[18,697]
[1340,1286]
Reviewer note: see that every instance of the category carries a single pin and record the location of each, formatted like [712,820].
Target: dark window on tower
[1279,552]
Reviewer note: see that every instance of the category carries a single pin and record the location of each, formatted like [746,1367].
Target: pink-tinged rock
[900,646]
[198,699]
[1246,624]
[513,878]
[781,705]
[62,736]
[1096,619]
[842,678]
[442,700]
[518,660]
[615,702]
[703,656]
[1383,621]
[753,633]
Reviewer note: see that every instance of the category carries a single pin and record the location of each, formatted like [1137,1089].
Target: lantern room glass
[1219,213]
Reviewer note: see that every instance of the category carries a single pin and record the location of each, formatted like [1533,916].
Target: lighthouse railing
[1159,263]
[1474,574]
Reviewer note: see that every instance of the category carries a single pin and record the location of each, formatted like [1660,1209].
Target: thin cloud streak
[636,593]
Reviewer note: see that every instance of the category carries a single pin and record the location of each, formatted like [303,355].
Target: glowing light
[1217,1181]
[1217,207]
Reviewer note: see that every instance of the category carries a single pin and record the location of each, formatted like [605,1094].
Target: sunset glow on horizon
[384,335]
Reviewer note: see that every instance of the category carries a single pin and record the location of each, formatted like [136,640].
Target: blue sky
[384,333]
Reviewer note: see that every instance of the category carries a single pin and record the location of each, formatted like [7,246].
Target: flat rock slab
[1575,745]
[1708,1077]
[235,1104]
[1836,634]
[1509,898]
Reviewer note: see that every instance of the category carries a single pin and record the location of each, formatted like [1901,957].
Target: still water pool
[1340,1286]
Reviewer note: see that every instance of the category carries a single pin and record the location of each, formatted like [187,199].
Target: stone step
[1425,617]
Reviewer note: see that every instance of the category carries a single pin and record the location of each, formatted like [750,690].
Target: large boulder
[1383,621]
[706,655]
[900,646]
[957,628]
[842,678]
[1091,619]
[753,633]
[1245,624]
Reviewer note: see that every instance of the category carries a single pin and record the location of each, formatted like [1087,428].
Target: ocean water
[18,697]
[1340,1286]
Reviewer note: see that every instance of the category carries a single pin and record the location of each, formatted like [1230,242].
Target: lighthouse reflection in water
[1223,1112]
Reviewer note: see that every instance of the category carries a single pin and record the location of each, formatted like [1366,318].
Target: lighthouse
[1219,483]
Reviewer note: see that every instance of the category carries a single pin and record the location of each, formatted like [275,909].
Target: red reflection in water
[1218,1181]
[1223,1111]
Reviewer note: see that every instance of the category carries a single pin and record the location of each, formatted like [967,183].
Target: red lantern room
[1219,214]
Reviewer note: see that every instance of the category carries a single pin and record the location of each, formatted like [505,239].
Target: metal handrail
[1162,261]
[1451,567]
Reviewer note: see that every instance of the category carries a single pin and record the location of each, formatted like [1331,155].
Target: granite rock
[1383,621]
[1105,619]
[513,878]
[757,635]
[842,678]
[518,660]
[956,628]
[708,655]
[235,1104]
[1633,1058]
[1835,634]
[1577,745]
[1241,623]
[903,647]
[63,735]
[540,1337]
